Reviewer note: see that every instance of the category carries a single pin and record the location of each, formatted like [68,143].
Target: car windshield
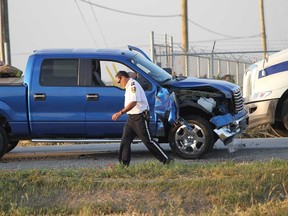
[154,71]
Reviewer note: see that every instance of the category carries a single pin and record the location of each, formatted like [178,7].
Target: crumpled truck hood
[190,83]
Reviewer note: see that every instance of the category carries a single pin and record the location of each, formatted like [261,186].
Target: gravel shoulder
[103,155]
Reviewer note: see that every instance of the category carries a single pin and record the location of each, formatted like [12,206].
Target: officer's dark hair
[122,73]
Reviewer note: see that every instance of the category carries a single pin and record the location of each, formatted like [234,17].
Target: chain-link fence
[216,64]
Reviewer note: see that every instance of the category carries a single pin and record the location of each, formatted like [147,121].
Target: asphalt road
[103,155]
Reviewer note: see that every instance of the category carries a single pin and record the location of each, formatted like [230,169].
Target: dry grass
[149,189]
[264,131]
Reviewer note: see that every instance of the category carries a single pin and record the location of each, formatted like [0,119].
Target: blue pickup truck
[69,95]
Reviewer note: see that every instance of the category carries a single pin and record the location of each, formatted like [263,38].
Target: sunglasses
[119,80]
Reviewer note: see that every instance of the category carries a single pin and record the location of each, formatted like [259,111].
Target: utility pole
[184,25]
[263,31]
[5,54]
[185,42]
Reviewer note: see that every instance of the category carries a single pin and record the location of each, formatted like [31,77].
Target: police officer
[137,124]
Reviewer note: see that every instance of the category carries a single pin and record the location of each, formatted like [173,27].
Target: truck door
[106,98]
[57,99]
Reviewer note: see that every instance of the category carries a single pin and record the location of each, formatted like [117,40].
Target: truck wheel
[11,145]
[3,142]
[279,129]
[195,143]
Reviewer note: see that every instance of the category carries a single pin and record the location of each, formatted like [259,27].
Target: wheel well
[5,125]
[278,112]
[189,110]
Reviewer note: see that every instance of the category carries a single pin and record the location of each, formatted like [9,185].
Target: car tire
[3,142]
[195,143]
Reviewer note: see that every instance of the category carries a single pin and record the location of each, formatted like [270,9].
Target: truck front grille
[238,100]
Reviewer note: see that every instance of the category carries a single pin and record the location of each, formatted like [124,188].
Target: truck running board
[83,140]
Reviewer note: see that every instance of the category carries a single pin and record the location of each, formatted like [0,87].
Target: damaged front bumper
[227,126]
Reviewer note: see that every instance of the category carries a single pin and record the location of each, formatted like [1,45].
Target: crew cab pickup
[70,95]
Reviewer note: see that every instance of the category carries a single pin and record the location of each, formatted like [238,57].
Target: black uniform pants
[136,125]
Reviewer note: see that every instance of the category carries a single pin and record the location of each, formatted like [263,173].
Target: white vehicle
[265,92]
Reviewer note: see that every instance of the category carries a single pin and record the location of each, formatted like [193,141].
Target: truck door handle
[39,97]
[92,97]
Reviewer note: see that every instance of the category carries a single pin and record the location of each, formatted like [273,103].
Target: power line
[99,26]
[164,16]
[220,34]
[228,39]
[86,23]
[129,13]
[209,30]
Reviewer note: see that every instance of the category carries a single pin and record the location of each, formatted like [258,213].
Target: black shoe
[124,164]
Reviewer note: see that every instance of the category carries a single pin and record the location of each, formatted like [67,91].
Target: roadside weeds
[149,188]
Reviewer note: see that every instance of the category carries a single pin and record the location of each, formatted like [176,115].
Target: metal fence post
[212,60]
[208,67]
[152,46]
[166,49]
[227,67]
[219,68]
[237,73]
[172,53]
[212,66]
[186,64]
[198,66]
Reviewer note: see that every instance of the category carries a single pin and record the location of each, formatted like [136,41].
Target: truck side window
[108,69]
[59,72]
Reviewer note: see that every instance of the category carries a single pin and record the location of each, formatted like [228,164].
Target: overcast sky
[233,24]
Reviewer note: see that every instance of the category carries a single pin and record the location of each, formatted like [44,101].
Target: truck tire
[192,144]
[11,145]
[3,142]
[285,114]
[281,128]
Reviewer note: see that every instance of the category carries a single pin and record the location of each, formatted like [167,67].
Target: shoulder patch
[133,89]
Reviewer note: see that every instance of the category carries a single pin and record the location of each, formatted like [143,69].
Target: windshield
[157,73]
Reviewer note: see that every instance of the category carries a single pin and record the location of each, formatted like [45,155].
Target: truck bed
[11,80]
[13,105]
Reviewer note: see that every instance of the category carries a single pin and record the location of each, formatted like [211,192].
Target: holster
[146,115]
